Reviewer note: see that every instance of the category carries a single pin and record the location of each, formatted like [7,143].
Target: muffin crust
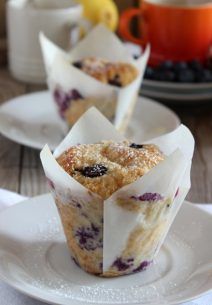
[124,163]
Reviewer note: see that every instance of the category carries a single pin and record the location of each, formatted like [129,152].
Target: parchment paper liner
[132,228]
[113,102]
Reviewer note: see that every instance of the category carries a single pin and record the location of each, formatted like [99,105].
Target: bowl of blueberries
[179,81]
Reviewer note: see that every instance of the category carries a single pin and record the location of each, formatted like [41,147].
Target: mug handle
[124,24]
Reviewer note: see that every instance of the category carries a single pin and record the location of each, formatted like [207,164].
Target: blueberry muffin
[117,74]
[103,168]
[72,104]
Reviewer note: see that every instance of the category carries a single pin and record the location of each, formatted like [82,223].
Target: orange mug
[179,30]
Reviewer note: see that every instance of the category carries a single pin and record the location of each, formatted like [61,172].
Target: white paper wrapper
[115,103]
[137,214]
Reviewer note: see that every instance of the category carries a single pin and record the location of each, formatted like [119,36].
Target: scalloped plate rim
[46,197]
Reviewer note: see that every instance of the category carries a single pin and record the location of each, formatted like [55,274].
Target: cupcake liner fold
[133,222]
[101,42]
[115,103]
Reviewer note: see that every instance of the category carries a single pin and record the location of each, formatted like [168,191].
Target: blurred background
[121,4]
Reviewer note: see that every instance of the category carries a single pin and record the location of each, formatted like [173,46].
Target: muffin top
[105,167]
[113,73]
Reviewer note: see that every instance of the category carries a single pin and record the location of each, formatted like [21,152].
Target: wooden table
[20,167]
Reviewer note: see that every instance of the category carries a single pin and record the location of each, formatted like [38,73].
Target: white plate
[33,121]
[176,97]
[35,260]
[178,86]
[177,92]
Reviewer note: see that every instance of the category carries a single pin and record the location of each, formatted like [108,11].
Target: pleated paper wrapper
[124,233]
[115,103]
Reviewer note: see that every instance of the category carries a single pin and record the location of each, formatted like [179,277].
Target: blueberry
[122,265]
[208,75]
[137,146]
[78,64]
[94,229]
[186,76]
[164,75]
[63,99]
[115,81]
[142,266]
[166,65]
[179,66]
[96,170]
[204,76]
[169,76]
[89,238]
[159,75]
[75,95]
[149,73]
[130,260]
[199,77]
[75,204]
[84,236]
[148,197]
[195,65]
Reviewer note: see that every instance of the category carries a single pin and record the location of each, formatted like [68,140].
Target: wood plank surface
[10,152]
[20,167]
[199,119]
[32,180]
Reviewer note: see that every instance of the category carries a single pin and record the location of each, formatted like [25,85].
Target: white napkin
[9,296]
[8,198]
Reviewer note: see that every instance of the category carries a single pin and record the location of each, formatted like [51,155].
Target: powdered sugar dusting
[121,164]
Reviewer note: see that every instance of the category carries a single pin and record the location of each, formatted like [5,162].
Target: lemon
[104,11]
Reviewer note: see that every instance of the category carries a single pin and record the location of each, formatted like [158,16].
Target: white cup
[25,19]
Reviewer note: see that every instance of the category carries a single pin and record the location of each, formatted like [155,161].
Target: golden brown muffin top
[114,73]
[105,167]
